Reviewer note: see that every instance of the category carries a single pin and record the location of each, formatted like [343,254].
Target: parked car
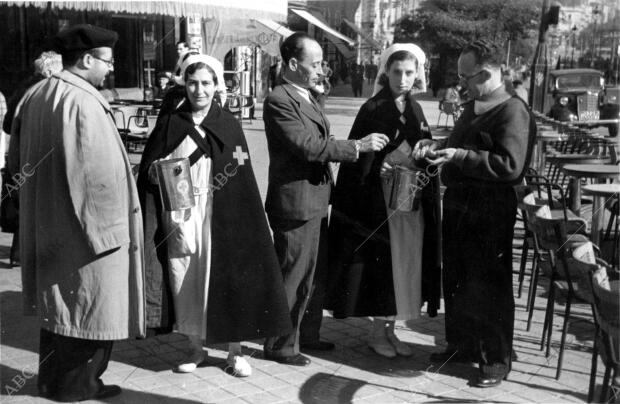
[583,99]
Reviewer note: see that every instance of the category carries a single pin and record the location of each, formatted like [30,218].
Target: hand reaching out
[441,156]
[424,149]
[373,142]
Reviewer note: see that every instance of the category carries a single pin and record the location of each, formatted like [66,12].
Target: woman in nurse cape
[384,260]
[212,271]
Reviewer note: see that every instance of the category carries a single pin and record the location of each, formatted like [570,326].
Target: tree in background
[443,27]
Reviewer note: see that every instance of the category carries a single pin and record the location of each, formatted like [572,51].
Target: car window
[579,80]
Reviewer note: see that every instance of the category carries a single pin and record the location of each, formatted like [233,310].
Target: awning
[370,41]
[207,9]
[323,25]
[275,27]
[223,35]
[347,53]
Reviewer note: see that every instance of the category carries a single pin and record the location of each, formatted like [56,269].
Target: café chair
[449,109]
[548,191]
[559,237]
[119,119]
[530,206]
[522,191]
[136,131]
[605,288]
[612,233]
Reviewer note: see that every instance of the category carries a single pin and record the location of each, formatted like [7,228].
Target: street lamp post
[595,13]
[540,64]
[572,55]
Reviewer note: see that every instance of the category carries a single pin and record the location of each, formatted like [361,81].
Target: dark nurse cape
[360,261]
[246,293]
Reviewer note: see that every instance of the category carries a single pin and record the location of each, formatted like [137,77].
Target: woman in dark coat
[215,263]
[383,262]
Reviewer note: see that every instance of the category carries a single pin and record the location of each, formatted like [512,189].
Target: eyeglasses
[467,78]
[110,62]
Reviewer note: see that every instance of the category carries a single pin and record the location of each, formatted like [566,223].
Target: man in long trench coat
[80,221]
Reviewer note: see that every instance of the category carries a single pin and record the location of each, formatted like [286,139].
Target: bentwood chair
[449,109]
[543,194]
[585,259]
[606,297]
[137,131]
[559,237]
[530,206]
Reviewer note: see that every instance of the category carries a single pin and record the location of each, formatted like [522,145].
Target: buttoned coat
[81,242]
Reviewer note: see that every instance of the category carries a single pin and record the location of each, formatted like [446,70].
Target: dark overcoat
[246,294]
[361,282]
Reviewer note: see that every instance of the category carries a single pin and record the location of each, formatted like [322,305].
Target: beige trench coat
[81,241]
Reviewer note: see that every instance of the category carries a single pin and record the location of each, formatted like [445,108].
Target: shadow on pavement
[16,383]
[323,388]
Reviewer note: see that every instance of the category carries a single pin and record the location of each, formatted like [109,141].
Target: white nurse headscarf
[409,47]
[214,64]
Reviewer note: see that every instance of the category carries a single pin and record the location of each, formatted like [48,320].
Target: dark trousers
[70,368]
[478,226]
[356,86]
[302,253]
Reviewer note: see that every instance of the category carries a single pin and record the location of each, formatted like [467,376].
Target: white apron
[406,238]
[189,246]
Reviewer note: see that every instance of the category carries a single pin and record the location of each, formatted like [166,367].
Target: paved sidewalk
[350,373]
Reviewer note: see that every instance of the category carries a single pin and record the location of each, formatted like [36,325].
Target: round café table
[600,172]
[560,159]
[600,192]
[568,158]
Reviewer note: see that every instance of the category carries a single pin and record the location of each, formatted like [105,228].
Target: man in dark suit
[300,182]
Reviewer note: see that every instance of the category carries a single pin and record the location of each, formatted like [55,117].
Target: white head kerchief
[412,48]
[214,64]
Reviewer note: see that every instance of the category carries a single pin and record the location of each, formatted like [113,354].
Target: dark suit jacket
[300,148]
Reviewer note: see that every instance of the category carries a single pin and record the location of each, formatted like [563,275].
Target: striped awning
[370,41]
[332,34]
[207,9]
[275,27]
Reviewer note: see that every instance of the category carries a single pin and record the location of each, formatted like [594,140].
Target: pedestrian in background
[80,222]
[47,64]
[357,79]
[484,157]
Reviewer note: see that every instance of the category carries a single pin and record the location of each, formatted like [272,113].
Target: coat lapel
[306,108]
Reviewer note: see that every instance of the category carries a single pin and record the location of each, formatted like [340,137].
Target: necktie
[318,109]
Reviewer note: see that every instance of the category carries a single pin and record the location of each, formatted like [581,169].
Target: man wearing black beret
[80,221]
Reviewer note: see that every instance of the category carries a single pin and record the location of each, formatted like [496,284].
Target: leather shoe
[317,346]
[452,355]
[488,381]
[107,391]
[293,360]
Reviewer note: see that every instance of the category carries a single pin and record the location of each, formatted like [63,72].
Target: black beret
[83,37]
